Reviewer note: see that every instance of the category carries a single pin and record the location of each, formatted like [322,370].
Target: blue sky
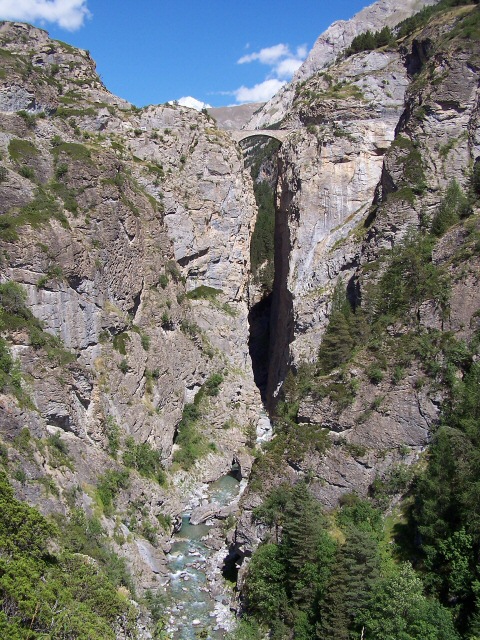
[153,51]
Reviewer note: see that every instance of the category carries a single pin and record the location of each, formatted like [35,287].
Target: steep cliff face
[385,144]
[128,234]
[330,168]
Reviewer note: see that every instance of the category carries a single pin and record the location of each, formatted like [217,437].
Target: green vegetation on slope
[47,593]
[36,213]
[192,443]
[16,317]
[334,577]
[368,40]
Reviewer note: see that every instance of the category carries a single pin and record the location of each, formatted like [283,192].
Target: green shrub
[61,170]
[58,452]
[192,443]
[145,459]
[54,272]
[375,374]
[120,342]
[36,213]
[20,475]
[171,269]
[66,194]
[29,118]
[108,487]
[163,280]
[203,293]
[165,521]
[452,208]
[190,328]
[27,172]
[112,431]
[13,298]
[212,384]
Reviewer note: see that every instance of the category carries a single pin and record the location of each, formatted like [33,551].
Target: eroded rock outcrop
[128,232]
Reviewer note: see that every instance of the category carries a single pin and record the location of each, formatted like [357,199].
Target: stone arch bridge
[277,134]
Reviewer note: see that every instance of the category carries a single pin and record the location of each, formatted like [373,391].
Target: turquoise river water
[194,611]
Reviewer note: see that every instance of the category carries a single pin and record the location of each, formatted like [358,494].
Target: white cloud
[260,92]
[286,68]
[193,103]
[68,14]
[269,55]
[283,63]
[302,52]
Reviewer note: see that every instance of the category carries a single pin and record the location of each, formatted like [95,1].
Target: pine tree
[307,549]
[353,576]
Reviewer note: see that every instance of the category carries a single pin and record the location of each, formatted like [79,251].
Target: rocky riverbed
[199,597]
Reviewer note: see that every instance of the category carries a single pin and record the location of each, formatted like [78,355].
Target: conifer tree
[353,576]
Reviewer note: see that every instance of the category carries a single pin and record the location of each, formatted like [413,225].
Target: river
[198,597]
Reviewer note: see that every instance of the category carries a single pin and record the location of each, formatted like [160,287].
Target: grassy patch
[120,342]
[15,316]
[36,213]
[203,293]
[145,459]
[22,150]
[74,150]
[108,487]
[67,195]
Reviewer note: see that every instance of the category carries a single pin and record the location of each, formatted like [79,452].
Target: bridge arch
[276,134]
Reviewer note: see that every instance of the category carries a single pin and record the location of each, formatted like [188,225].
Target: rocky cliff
[126,233]
[328,46]
[383,143]
[126,286]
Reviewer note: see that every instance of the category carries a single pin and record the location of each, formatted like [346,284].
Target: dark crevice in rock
[62,421]
[231,565]
[353,292]
[271,319]
[259,342]
[236,470]
[130,236]
[420,53]
[136,304]
[175,435]
[281,317]
[75,281]
[84,401]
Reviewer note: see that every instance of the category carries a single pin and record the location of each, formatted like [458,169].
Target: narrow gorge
[230,372]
